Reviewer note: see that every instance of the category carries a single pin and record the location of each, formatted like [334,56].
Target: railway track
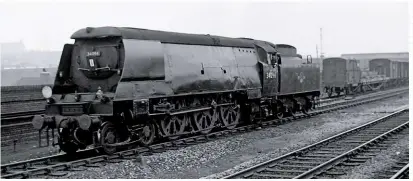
[61,164]
[331,157]
[22,114]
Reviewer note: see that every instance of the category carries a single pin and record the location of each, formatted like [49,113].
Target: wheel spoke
[230,117]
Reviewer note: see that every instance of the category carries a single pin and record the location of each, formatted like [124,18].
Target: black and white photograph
[205,89]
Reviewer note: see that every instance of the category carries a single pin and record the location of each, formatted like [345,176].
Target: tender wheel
[174,125]
[147,134]
[230,116]
[291,112]
[306,107]
[304,110]
[205,120]
[109,135]
[279,112]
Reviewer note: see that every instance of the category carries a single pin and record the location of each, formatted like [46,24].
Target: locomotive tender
[118,86]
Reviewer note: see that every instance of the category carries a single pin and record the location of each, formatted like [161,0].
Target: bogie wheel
[205,120]
[68,147]
[230,116]
[147,134]
[65,143]
[109,135]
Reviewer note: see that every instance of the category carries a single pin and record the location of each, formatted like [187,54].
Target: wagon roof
[170,37]
[334,58]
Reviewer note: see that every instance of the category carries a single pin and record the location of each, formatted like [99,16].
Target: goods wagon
[340,74]
[393,69]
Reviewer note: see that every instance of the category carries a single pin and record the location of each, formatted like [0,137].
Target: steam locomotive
[118,86]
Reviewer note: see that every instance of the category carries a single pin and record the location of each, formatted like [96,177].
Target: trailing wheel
[205,120]
[230,116]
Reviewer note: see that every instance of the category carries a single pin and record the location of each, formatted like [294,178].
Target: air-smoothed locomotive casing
[189,69]
[162,64]
[298,75]
[340,72]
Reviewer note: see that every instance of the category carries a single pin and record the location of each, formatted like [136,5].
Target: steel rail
[401,173]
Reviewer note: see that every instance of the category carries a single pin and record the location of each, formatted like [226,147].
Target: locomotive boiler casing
[185,69]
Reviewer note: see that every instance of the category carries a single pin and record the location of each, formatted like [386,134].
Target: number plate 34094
[72,110]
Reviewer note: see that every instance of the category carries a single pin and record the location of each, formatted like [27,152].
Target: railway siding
[317,159]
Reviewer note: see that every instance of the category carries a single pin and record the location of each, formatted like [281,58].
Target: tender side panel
[297,77]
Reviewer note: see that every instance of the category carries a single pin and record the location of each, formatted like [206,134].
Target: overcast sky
[348,27]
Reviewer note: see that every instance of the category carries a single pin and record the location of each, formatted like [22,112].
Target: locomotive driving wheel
[205,120]
[230,116]
[174,125]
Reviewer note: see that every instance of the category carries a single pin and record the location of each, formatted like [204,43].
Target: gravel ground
[381,162]
[26,150]
[225,156]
